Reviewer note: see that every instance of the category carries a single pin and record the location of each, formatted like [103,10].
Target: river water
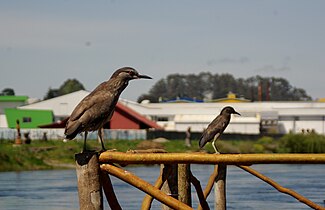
[57,189]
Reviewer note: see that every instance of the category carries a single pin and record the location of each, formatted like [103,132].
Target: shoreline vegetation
[55,154]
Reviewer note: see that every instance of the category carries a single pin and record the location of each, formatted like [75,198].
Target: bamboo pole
[209,185]
[170,186]
[203,203]
[147,200]
[88,176]
[144,186]
[282,189]
[109,191]
[199,158]
[184,184]
[220,188]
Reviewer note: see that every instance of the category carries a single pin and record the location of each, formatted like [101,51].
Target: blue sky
[43,43]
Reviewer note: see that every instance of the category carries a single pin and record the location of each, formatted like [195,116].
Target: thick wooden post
[184,184]
[89,185]
[220,187]
[170,187]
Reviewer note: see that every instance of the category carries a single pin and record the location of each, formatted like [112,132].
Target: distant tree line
[207,86]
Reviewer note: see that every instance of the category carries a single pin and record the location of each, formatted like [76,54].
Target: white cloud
[270,68]
[228,60]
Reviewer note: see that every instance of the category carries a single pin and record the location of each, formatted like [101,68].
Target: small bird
[216,127]
[97,108]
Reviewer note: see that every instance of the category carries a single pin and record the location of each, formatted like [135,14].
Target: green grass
[120,145]
[19,158]
[50,154]
[57,154]
[300,143]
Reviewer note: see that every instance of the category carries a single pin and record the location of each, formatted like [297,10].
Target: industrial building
[178,115]
[256,117]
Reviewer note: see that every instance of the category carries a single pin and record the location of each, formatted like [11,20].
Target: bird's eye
[131,73]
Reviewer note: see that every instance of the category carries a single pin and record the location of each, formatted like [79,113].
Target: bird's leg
[85,147]
[214,144]
[100,137]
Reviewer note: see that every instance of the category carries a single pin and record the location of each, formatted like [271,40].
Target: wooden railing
[93,172]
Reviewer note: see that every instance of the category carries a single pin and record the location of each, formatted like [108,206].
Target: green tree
[8,92]
[51,93]
[223,84]
[208,86]
[69,86]
[198,86]
[157,93]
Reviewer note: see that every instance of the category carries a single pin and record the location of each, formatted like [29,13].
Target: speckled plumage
[217,127]
[97,108]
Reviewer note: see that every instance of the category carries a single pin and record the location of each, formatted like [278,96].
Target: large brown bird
[216,127]
[97,108]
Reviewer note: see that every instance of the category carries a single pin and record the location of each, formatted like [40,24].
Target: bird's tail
[202,142]
[72,129]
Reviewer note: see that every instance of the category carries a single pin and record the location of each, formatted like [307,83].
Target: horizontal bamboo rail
[241,160]
[202,158]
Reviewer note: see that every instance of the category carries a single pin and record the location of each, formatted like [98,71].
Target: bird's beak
[143,77]
[236,113]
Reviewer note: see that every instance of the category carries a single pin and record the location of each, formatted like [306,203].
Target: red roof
[137,116]
[58,124]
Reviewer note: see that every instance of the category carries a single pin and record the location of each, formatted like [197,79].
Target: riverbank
[40,155]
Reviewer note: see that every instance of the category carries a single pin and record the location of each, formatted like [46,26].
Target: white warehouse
[256,117]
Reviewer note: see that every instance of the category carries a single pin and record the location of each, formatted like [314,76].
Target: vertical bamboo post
[109,191]
[147,201]
[203,203]
[170,187]
[89,186]
[220,187]
[18,136]
[184,184]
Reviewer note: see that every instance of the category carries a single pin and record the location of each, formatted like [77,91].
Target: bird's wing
[85,104]
[216,127]
[82,107]
[97,106]
[88,114]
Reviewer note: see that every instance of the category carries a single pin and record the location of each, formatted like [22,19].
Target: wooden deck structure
[94,172]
